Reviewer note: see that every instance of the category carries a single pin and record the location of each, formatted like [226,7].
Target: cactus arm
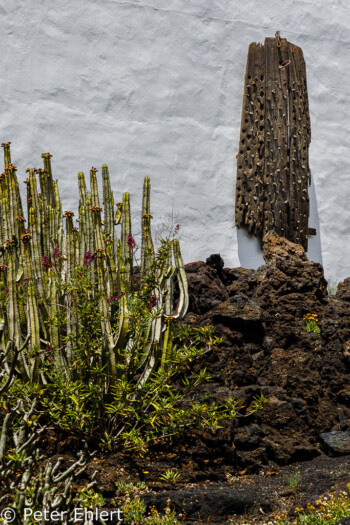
[44,211]
[97,227]
[68,215]
[76,246]
[36,230]
[105,322]
[167,341]
[168,288]
[151,354]
[7,153]
[49,183]
[82,237]
[34,331]
[3,305]
[58,223]
[54,330]
[71,327]
[38,272]
[90,237]
[13,193]
[95,201]
[147,249]
[35,202]
[153,332]
[123,316]
[150,365]
[183,301]
[12,306]
[108,201]
[33,325]
[111,263]
[82,189]
[112,281]
[5,217]
[118,215]
[126,249]
[83,196]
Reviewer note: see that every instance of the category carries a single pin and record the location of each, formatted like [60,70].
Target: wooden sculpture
[273,172]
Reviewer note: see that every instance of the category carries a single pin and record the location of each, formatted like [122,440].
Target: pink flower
[111,299]
[131,241]
[153,302]
[45,261]
[88,258]
[49,352]
[56,253]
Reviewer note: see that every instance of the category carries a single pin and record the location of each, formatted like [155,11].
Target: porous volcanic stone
[215,502]
[275,246]
[266,350]
[337,442]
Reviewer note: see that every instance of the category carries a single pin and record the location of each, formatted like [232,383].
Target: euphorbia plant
[40,265]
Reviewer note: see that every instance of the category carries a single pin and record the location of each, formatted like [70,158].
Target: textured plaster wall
[156,89]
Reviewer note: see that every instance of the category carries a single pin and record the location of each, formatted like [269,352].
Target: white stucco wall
[156,89]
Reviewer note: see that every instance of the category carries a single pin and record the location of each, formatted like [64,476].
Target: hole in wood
[284,63]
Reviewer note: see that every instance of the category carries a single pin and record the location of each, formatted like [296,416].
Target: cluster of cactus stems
[38,255]
[46,490]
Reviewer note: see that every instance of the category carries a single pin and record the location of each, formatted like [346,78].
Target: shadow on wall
[249,250]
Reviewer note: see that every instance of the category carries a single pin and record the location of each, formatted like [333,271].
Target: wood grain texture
[273,172]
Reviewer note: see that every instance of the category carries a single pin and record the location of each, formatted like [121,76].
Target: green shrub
[92,334]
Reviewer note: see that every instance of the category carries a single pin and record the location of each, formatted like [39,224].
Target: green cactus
[147,248]
[39,263]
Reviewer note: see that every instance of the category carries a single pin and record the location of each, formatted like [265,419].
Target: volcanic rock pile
[266,350]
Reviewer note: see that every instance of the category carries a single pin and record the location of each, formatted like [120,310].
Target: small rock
[215,261]
[337,442]
[275,246]
[205,288]
[343,290]
[248,438]
[231,275]
[240,314]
